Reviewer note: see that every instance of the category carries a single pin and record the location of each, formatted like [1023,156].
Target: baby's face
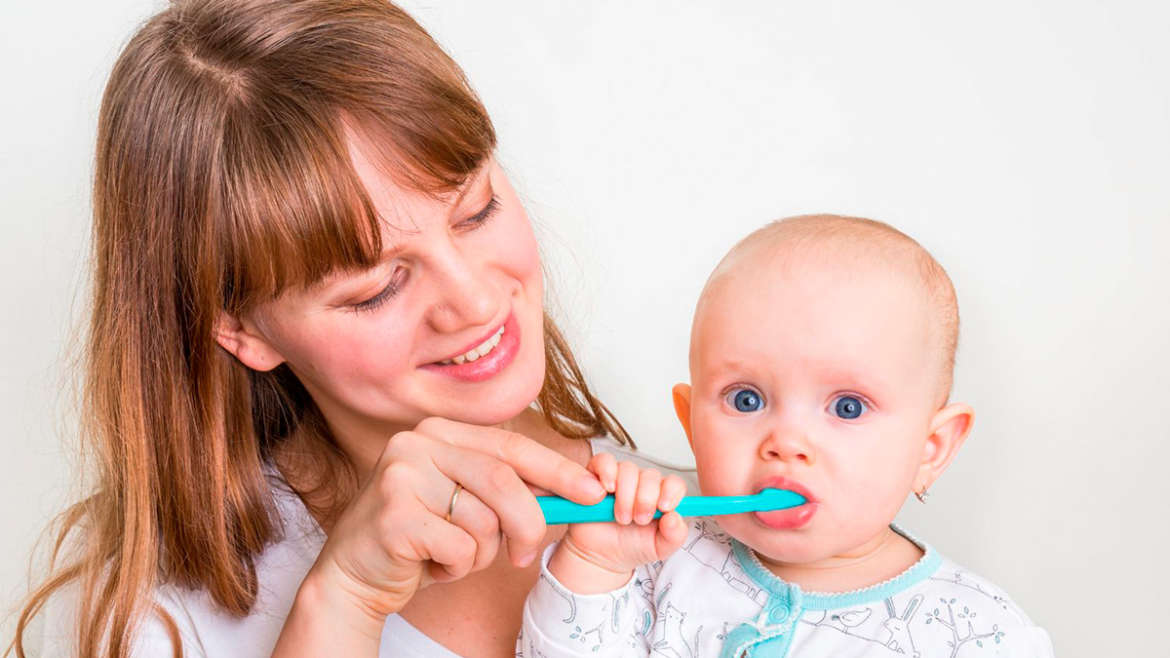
[818,378]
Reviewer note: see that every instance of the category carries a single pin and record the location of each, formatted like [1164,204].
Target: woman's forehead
[403,213]
[381,161]
[394,189]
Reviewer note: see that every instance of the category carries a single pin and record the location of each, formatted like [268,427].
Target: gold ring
[451,505]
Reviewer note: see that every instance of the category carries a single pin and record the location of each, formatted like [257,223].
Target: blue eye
[848,407]
[745,400]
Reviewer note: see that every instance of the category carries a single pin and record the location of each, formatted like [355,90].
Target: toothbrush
[559,510]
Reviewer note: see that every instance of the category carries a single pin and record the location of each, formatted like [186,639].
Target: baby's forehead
[827,241]
[764,262]
[835,259]
[850,298]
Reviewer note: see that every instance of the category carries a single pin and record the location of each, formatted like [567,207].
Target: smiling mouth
[477,352]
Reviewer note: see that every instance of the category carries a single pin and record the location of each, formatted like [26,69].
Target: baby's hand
[599,557]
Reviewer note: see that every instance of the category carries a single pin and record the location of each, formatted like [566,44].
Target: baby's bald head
[858,245]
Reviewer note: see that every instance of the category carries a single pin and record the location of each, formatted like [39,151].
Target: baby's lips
[781,482]
[788,519]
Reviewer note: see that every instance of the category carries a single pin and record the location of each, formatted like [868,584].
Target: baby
[821,359]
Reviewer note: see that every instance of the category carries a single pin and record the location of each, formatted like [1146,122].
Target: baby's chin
[773,546]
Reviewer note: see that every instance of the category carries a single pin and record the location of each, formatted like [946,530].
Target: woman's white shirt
[206,631]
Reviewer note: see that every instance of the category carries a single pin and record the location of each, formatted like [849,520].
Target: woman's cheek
[379,345]
[524,255]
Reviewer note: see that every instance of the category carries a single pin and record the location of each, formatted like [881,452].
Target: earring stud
[922,495]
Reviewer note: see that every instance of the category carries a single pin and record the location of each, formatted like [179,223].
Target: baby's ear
[948,430]
[682,408]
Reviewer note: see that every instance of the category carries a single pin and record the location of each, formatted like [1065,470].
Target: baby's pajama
[713,597]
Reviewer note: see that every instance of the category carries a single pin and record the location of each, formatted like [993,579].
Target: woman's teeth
[478,351]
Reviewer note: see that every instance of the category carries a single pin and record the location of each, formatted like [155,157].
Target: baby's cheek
[718,477]
[710,484]
[861,482]
[877,492]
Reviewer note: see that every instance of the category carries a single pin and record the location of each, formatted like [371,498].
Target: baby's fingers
[605,467]
[624,492]
[672,531]
[673,490]
[646,500]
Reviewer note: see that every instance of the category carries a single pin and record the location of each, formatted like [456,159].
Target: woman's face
[449,323]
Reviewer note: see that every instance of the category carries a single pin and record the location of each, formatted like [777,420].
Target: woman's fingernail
[527,558]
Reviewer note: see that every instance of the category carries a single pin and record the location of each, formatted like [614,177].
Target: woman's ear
[948,430]
[243,340]
[682,408]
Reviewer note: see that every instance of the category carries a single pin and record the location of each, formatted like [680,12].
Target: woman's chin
[492,405]
[494,415]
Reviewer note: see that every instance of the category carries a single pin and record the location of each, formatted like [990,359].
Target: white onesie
[713,597]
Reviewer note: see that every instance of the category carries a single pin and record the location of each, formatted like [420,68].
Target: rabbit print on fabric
[714,598]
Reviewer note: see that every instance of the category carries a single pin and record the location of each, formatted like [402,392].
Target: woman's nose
[788,444]
[464,296]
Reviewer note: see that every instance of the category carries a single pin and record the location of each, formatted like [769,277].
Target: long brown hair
[223,178]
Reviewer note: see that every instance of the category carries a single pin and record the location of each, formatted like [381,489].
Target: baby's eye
[848,407]
[745,400]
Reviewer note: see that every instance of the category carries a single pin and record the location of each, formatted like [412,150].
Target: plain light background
[1027,145]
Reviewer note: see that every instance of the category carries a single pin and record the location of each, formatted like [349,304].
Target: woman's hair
[222,178]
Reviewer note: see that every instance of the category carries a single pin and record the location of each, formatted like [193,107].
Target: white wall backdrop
[1026,144]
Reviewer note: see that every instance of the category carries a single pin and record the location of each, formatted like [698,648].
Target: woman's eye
[745,400]
[848,407]
[483,215]
[385,294]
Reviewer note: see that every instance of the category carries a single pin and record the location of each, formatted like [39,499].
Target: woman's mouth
[474,354]
[793,517]
[484,359]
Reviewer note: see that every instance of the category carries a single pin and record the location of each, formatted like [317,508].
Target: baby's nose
[788,445]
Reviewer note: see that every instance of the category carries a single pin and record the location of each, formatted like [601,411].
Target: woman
[317,312]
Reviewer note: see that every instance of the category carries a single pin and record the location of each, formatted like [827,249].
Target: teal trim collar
[776,588]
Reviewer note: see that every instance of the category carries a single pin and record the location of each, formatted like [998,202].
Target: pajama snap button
[778,614]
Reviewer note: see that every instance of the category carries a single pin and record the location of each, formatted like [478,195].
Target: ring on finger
[451,505]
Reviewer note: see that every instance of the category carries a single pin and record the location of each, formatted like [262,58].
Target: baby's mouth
[793,517]
[781,482]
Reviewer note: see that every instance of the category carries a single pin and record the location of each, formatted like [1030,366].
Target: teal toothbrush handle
[559,510]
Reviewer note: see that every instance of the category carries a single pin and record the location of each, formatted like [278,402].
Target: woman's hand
[395,537]
[599,557]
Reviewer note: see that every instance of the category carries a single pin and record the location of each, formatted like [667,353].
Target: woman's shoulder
[53,632]
[203,628]
[645,460]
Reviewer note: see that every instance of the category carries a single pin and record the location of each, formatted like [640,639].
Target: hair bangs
[293,209]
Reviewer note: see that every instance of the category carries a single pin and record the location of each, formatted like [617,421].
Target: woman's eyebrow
[471,182]
[391,248]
